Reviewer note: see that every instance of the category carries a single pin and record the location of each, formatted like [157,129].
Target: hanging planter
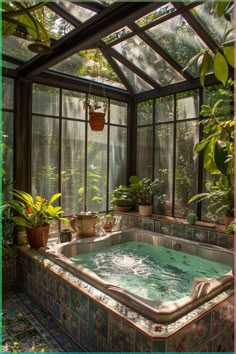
[96,121]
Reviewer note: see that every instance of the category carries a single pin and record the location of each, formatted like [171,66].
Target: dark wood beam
[133,67]
[118,71]
[87,35]
[175,88]
[73,83]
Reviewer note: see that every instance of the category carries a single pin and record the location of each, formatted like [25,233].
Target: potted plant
[35,214]
[96,110]
[144,190]
[108,222]
[123,199]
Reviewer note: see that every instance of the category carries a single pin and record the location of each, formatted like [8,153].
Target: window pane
[7,93]
[145,112]
[45,156]
[216,26]
[117,158]
[81,13]
[156,14]
[138,84]
[179,40]
[144,151]
[145,58]
[187,105]
[7,147]
[55,25]
[90,65]
[45,100]
[186,178]
[164,166]
[118,112]
[164,109]
[72,166]
[116,35]
[97,170]
[17,48]
[72,104]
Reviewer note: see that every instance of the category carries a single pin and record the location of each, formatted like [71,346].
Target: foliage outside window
[68,157]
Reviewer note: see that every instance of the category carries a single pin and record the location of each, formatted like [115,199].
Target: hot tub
[160,306]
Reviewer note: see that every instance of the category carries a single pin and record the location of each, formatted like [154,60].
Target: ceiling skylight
[154,15]
[77,11]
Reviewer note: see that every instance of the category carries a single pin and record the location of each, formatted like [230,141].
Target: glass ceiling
[147,50]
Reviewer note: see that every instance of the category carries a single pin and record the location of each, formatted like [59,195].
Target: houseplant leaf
[220,156]
[221,69]
[229,55]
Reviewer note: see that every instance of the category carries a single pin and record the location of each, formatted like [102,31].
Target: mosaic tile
[189,232]
[180,342]
[157,226]
[230,338]
[104,344]
[65,316]
[143,343]
[225,240]
[200,235]
[222,316]
[159,346]
[75,327]
[219,343]
[98,318]
[165,227]
[148,224]
[79,303]
[200,331]
[178,230]
[121,333]
[88,337]
[212,237]
[63,292]
[205,348]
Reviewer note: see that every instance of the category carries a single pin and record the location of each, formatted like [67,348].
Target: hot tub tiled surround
[178,228]
[99,323]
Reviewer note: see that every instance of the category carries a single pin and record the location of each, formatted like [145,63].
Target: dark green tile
[142,343]
[165,227]
[98,318]
[159,346]
[157,226]
[200,235]
[178,230]
[79,303]
[189,233]
[213,237]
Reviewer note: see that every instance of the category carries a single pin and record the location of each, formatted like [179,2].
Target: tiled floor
[27,328]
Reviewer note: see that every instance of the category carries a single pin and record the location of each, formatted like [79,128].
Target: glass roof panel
[77,11]
[179,40]
[217,26]
[138,84]
[144,57]
[55,25]
[116,35]
[89,64]
[8,65]
[154,15]
[17,48]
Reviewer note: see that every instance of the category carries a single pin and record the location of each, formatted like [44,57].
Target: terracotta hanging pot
[37,236]
[96,121]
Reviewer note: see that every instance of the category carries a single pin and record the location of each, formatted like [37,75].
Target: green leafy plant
[123,196]
[35,212]
[145,189]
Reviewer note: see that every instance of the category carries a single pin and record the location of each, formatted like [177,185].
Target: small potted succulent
[35,215]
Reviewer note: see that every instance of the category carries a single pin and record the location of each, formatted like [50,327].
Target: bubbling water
[152,272]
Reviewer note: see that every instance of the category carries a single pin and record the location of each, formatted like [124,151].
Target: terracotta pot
[123,209]
[145,210]
[228,220]
[97,121]
[37,236]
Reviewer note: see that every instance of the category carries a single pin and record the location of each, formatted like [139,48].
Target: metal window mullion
[200,161]
[153,136]
[86,157]
[174,157]
[108,155]
[60,146]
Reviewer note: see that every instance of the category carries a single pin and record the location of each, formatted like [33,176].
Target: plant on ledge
[123,199]
[35,215]
[144,190]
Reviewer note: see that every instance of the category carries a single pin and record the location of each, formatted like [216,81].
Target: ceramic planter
[145,210]
[96,121]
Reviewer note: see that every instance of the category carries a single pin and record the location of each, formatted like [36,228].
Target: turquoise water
[152,272]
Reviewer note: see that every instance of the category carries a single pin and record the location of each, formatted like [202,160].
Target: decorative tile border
[182,230]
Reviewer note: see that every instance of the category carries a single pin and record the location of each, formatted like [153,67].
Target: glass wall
[7,135]
[168,154]
[69,157]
